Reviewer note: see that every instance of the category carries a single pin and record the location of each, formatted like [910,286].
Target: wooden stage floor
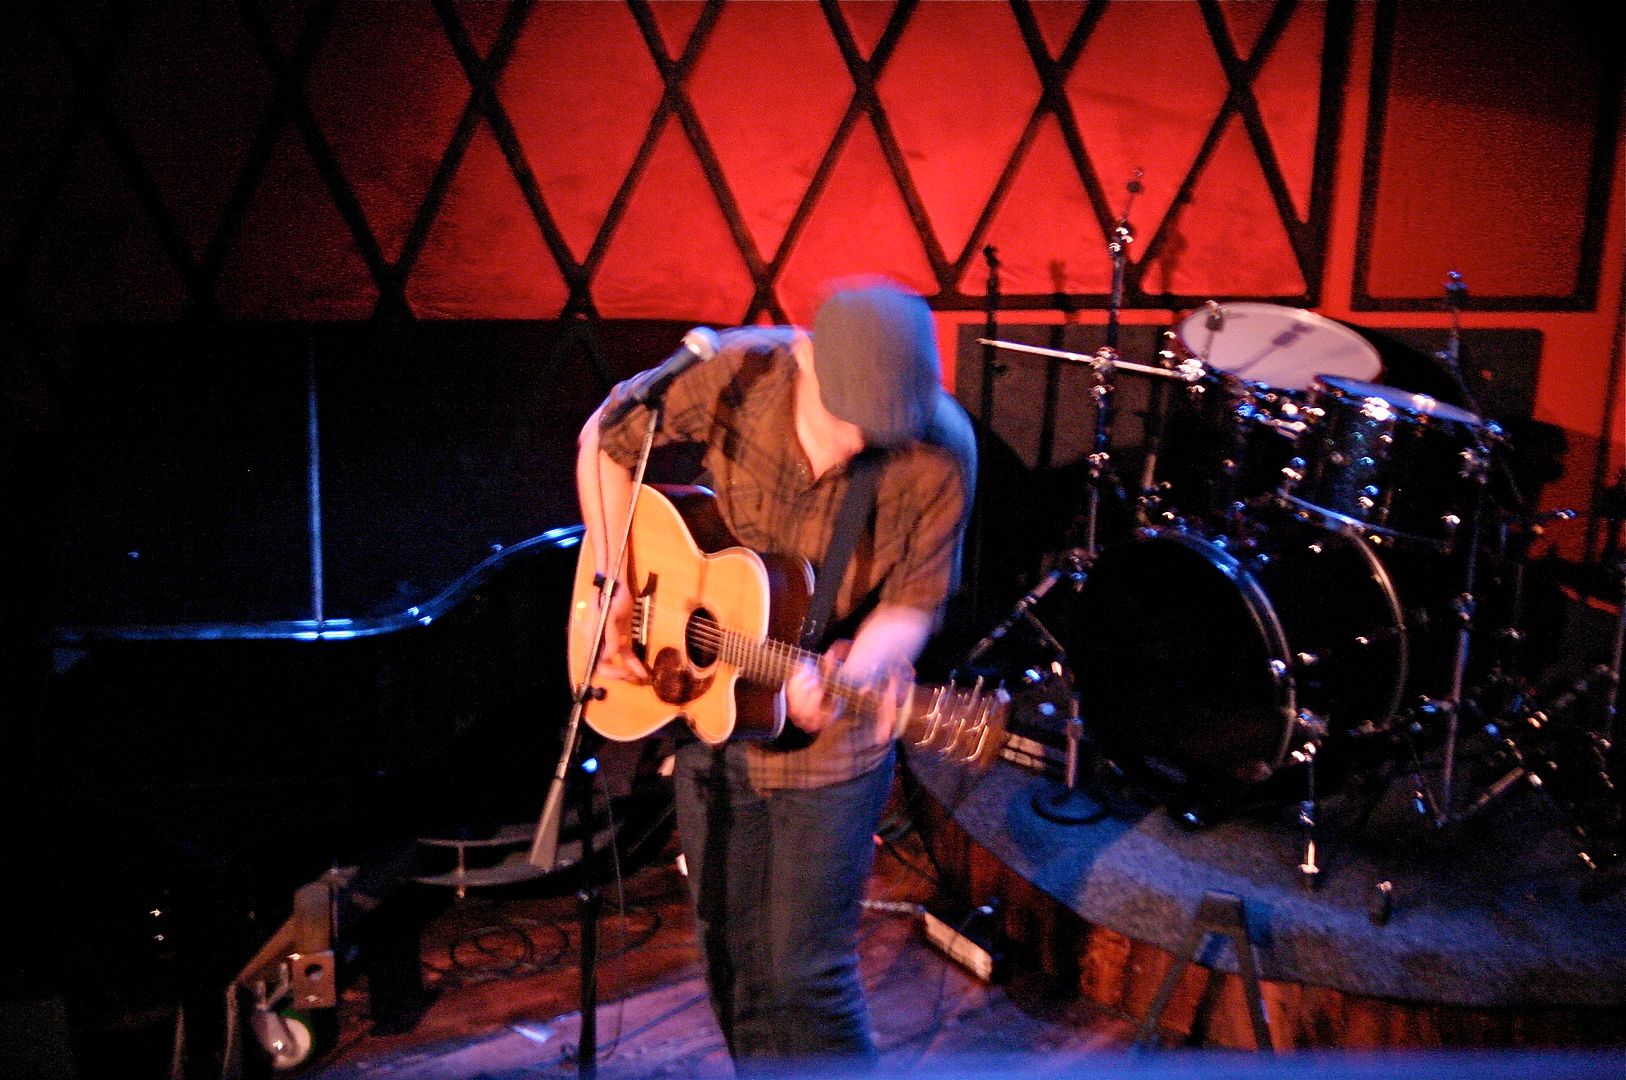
[503,973]
[501,968]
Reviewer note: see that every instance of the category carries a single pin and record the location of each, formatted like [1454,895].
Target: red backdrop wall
[719,162]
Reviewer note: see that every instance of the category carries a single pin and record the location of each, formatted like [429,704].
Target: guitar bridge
[642,615]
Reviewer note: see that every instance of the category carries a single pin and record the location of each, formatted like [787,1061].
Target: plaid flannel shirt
[735,416]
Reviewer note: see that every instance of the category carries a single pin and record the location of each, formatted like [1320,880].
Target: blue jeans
[778,881]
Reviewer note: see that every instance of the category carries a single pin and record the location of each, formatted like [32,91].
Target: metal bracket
[1217,913]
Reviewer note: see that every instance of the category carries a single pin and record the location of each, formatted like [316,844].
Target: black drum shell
[1223,446]
[1388,461]
[1202,662]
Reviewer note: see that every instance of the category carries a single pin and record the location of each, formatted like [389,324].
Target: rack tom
[1226,437]
[1388,461]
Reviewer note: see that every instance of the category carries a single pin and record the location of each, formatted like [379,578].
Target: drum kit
[1296,608]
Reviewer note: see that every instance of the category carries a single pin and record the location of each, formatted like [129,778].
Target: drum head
[1403,402]
[1192,662]
[1175,664]
[1278,346]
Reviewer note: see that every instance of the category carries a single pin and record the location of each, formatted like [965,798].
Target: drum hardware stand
[1603,740]
[1118,251]
[1069,804]
[1608,874]
[1309,808]
[1535,770]
[1440,809]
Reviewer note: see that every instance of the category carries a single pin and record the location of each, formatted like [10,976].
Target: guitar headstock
[964,725]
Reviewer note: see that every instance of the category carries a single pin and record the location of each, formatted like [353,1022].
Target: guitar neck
[718,678]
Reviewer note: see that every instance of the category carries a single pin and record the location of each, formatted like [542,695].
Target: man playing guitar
[777,836]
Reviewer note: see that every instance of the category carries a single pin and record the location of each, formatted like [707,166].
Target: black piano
[297,599]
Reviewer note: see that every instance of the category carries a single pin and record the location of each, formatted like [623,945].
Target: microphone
[650,386]
[1072,572]
[1216,316]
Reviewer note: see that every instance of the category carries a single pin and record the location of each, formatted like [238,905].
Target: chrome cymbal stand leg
[1476,467]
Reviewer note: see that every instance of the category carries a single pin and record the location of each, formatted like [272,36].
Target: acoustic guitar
[716,622]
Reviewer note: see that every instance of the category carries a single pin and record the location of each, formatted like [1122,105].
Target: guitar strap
[856,511]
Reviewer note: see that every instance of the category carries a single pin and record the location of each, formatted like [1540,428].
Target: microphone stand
[991,367]
[576,772]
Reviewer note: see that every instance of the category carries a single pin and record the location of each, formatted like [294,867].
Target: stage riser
[1124,975]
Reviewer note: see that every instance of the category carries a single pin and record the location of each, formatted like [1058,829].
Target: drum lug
[1313,727]
[1475,464]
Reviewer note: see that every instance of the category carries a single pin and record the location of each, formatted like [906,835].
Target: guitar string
[965,715]
[967,730]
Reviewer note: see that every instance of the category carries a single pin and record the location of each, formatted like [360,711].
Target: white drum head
[1278,346]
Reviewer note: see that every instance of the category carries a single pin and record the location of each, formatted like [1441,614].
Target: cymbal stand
[1070,805]
[1441,809]
[1118,252]
[1102,470]
[1450,357]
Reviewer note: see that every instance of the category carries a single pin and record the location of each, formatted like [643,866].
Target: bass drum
[1195,658]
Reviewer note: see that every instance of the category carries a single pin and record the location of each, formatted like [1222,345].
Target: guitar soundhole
[700,638]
